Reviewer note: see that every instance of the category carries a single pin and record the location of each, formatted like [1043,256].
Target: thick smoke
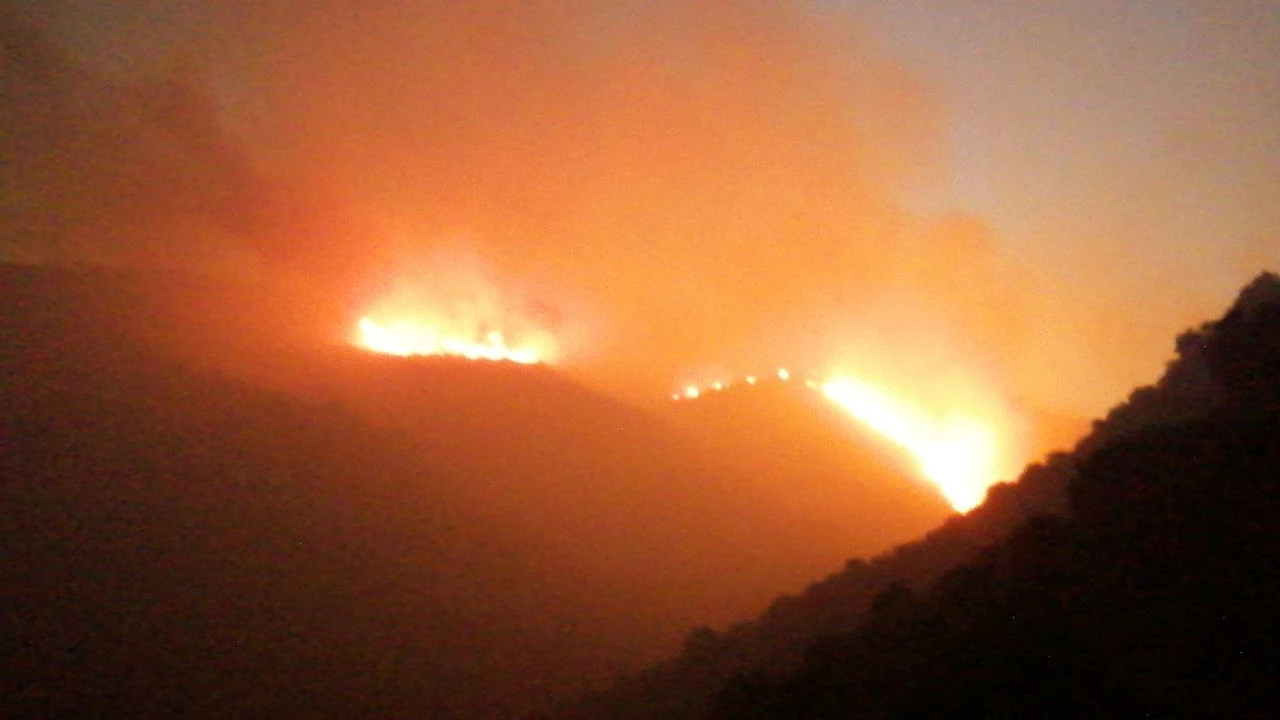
[712,182]
[681,184]
[116,171]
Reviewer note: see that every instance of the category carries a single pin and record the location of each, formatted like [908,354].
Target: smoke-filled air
[671,190]
[764,248]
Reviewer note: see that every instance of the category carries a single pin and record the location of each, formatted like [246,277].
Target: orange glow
[451,303]
[957,452]
[961,452]
[411,337]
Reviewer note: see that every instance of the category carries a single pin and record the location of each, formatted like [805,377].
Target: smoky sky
[677,188]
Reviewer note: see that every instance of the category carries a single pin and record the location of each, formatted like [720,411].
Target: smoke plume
[719,182]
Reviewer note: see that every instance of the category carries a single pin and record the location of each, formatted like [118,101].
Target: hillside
[901,635]
[1153,598]
[178,543]
[836,472]
[212,511]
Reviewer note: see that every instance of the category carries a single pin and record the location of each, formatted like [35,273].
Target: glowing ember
[407,337]
[957,452]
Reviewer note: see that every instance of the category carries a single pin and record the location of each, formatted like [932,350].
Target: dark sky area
[1020,201]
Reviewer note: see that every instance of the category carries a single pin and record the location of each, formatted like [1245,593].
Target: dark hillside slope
[1155,598]
[1214,363]
[210,510]
[685,536]
[774,643]
[180,544]
[588,481]
[819,462]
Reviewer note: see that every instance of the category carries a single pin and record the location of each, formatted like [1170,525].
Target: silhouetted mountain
[179,543]
[182,544]
[209,511]
[1148,593]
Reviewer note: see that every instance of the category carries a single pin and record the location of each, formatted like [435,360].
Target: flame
[961,453]
[450,302]
[411,337]
[957,452]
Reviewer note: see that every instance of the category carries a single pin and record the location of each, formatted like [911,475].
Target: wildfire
[448,301]
[958,452]
[410,337]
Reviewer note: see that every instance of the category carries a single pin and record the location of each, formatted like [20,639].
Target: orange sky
[676,189]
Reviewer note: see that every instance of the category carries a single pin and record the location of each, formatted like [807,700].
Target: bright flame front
[961,453]
[957,452]
[410,337]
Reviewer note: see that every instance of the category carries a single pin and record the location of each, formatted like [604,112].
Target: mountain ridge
[192,466]
[748,666]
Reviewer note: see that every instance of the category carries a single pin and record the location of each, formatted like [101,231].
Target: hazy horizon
[981,208]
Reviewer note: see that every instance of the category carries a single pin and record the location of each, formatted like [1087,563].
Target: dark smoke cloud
[101,170]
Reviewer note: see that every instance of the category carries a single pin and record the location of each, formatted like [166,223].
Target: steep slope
[194,472]
[735,665]
[675,530]
[814,460]
[182,544]
[1155,598]
[603,486]
[774,643]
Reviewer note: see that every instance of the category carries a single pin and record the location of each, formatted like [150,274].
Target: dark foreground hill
[208,512]
[1132,577]
[181,544]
